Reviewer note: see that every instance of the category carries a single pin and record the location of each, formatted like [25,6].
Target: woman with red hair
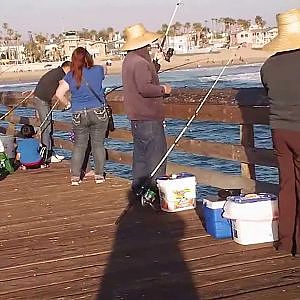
[89,117]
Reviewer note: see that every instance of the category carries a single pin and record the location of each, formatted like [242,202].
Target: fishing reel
[168,54]
[148,197]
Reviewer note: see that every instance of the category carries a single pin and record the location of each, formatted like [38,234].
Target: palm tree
[102,34]
[110,31]
[245,24]
[187,27]
[93,34]
[177,28]
[228,22]
[163,29]
[40,38]
[198,28]
[260,22]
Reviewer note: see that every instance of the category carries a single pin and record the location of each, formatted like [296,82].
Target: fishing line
[16,106]
[144,189]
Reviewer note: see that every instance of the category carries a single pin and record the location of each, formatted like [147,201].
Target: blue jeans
[89,124]
[149,147]
[43,108]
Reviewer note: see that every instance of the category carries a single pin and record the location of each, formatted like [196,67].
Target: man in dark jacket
[143,102]
[44,92]
[280,76]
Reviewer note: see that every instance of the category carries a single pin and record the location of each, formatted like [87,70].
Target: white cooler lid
[213,202]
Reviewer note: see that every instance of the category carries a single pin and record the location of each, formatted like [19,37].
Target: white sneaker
[55,159]
[61,157]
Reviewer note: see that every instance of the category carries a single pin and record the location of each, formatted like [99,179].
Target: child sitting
[28,149]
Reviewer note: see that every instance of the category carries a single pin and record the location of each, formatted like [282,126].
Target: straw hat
[136,36]
[288,37]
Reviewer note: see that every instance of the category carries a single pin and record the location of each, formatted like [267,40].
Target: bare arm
[61,92]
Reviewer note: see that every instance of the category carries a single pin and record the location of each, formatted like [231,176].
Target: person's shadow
[146,261]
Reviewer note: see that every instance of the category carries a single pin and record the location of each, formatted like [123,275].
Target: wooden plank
[72,252]
[245,154]
[247,140]
[230,105]
[206,177]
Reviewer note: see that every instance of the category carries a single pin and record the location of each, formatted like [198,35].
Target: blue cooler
[215,224]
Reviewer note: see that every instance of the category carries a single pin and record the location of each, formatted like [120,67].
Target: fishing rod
[16,106]
[167,55]
[40,130]
[147,196]
[165,70]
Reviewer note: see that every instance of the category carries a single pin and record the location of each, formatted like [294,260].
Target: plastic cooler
[8,142]
[177,192]
[215,224]
[254,218]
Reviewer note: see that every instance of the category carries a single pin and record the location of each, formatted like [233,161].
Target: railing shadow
[146,261]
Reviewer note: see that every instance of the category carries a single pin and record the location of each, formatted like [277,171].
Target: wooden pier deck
[60,242]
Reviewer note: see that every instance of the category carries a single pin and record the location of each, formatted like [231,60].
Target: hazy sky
[53,16]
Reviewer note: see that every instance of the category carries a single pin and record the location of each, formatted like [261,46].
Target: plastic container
[254,232]
[251,207]
[8,142]
[253,218]
[177,192]
[215,224]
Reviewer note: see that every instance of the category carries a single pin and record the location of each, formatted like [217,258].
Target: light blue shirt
[82,97]
[29,150]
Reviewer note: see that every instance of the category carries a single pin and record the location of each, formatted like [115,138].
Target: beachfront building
[52,52]
[72,40]
[255,37]
[12,54]
[244,37]
[181,44]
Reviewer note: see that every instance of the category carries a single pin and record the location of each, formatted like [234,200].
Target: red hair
[81,58]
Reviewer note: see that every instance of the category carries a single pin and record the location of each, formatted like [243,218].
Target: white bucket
[254,232]
[8,142]
[177,192]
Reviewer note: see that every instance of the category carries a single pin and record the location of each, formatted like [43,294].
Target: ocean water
[234,77]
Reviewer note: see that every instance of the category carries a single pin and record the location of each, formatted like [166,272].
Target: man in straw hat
[143,102]
[280,76]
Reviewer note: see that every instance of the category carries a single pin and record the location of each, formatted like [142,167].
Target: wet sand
[236,56]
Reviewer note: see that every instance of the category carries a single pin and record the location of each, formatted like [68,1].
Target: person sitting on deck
[28,149]
[280,77]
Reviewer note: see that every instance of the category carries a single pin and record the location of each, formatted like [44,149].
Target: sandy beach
[236,56]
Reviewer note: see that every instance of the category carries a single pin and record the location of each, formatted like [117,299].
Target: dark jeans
[149,147]
[89,124]
[287,148]
[43,108]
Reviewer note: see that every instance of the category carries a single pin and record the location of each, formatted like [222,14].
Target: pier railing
[244,107]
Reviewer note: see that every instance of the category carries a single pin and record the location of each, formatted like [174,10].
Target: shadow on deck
[59,241]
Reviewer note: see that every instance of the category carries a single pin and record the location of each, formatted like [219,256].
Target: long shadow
[146,261]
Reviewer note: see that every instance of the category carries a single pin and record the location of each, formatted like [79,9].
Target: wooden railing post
[11,126]
[247,140]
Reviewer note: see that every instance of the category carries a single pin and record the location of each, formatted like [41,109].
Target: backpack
[6,167]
